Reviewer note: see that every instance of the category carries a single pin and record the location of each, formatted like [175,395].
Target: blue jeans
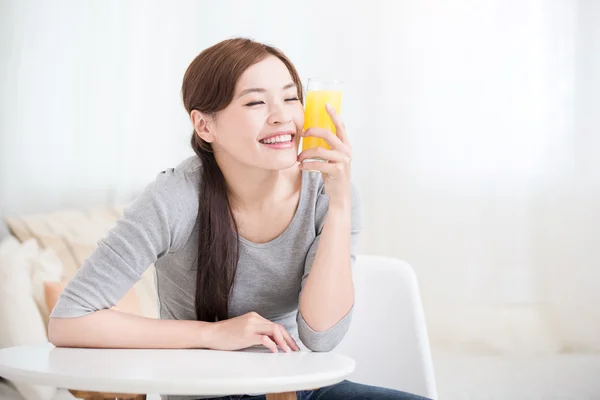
[344,390]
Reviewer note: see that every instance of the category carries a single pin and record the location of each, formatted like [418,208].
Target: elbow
[322,341]
[317,345]
[61,331]
[55,333]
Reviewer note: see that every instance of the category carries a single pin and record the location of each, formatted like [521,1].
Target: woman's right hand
[250,330]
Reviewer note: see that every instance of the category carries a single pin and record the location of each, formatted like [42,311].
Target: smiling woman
[249,248]
[229,136]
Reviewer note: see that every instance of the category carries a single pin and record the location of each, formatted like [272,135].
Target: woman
[250,248]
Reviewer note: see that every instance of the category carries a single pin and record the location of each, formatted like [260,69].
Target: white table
[176,372]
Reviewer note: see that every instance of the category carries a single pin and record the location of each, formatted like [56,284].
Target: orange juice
[316,116]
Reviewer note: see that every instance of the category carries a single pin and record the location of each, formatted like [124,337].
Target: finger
[325,134]
[266,341]
[322,153]
[325,168]
[340,127]
[279,339]
[270,330]
[288,338]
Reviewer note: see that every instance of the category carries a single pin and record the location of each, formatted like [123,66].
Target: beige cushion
[73,236]
[20,319]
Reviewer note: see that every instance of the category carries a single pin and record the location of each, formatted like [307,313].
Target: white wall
[566,212]
[473,123]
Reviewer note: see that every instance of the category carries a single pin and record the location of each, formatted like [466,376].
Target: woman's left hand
[336,169]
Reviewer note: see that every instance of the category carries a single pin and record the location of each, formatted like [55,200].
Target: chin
[282,161]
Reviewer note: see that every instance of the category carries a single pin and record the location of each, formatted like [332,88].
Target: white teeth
[278,139]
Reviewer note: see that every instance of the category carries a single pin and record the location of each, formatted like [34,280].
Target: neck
[255,188]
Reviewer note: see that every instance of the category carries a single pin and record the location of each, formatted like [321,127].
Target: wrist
[205,334]
[339,215]
[342,205]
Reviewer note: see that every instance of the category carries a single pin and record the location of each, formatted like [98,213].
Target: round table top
[176,372]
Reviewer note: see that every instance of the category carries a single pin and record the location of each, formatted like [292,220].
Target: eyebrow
[261,90]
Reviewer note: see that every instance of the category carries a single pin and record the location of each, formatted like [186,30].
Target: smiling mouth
[285,138]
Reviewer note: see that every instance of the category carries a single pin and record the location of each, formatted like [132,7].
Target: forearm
[114,329]
[328,293]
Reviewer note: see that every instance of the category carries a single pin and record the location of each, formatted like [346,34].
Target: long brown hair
[208,86]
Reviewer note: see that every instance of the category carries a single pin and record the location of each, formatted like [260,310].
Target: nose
[279,115]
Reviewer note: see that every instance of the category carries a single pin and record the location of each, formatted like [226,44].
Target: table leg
[282,396]
[85,395]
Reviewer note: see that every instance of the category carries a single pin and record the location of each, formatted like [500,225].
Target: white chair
[388,336]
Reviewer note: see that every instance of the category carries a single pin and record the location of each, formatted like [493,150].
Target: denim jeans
[345,390]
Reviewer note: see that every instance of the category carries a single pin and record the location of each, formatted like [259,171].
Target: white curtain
[474,126]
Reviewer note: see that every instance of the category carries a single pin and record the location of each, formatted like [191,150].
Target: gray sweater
[161,227]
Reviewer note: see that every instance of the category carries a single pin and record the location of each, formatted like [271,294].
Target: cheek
[239,128]
[299,118]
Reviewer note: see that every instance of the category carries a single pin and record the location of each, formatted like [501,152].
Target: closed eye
[254,103]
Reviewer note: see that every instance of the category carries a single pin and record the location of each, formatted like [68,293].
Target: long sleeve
[158,222]
[329,339]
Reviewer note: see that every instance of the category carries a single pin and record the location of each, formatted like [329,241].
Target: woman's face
[261,126]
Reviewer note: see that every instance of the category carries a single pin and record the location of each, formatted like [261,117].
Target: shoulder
[181,182]
[186,173]
[172,198]
[316,185]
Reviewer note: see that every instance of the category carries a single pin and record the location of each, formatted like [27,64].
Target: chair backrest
[388,336]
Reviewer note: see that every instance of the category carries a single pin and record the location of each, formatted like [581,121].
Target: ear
[202,126]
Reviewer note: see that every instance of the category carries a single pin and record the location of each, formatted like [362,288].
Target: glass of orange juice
[318,93]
